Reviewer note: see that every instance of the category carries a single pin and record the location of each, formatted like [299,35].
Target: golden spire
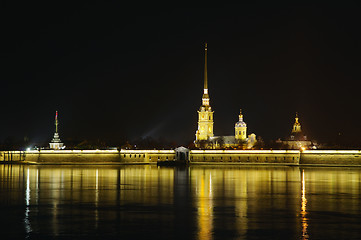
[205,97]
[205,72]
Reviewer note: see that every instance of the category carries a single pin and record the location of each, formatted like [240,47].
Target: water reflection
[199,202]
[27,203]
[204,205]
[303,208]
[229,197]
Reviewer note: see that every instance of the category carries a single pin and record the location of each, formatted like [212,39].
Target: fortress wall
[292,157]
[331,157]
[147,156]
[71,156]
[12,155]
[245,156]
[93,156]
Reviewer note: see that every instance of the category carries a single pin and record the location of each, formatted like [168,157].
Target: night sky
[118,72]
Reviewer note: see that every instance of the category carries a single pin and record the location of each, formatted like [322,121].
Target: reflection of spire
[205,207]
[27,223]
[303,208]
[96,198]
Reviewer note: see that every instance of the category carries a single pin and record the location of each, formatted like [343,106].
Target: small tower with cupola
[240,129]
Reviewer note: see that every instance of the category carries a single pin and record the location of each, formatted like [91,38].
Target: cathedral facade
[204,135]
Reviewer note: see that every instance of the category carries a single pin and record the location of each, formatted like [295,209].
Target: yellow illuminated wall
[205,123]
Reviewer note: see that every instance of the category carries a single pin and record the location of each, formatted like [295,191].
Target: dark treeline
[12,144]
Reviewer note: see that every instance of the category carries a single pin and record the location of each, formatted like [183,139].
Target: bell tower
[240,129]
[205,113]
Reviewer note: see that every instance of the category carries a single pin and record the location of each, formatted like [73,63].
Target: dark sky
[115,71]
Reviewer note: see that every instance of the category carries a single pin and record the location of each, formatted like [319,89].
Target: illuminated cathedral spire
[205,97]
[56,142]
[205,113]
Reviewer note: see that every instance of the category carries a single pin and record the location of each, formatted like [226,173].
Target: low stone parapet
[246,156]
[331,157]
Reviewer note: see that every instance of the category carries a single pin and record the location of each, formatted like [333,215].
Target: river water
[199,202]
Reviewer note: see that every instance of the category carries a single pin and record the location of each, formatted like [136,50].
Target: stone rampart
[72,156]
[88,156]
[282,157]
[290,157]
[146,156]
[331,157]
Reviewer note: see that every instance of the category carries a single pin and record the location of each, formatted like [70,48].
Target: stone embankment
[276,157]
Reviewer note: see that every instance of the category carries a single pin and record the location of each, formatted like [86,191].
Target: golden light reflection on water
[239,200]
[303,208]
[241,192]
[27,223]
[204,206]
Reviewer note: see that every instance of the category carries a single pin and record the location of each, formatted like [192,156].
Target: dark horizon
[119,73]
